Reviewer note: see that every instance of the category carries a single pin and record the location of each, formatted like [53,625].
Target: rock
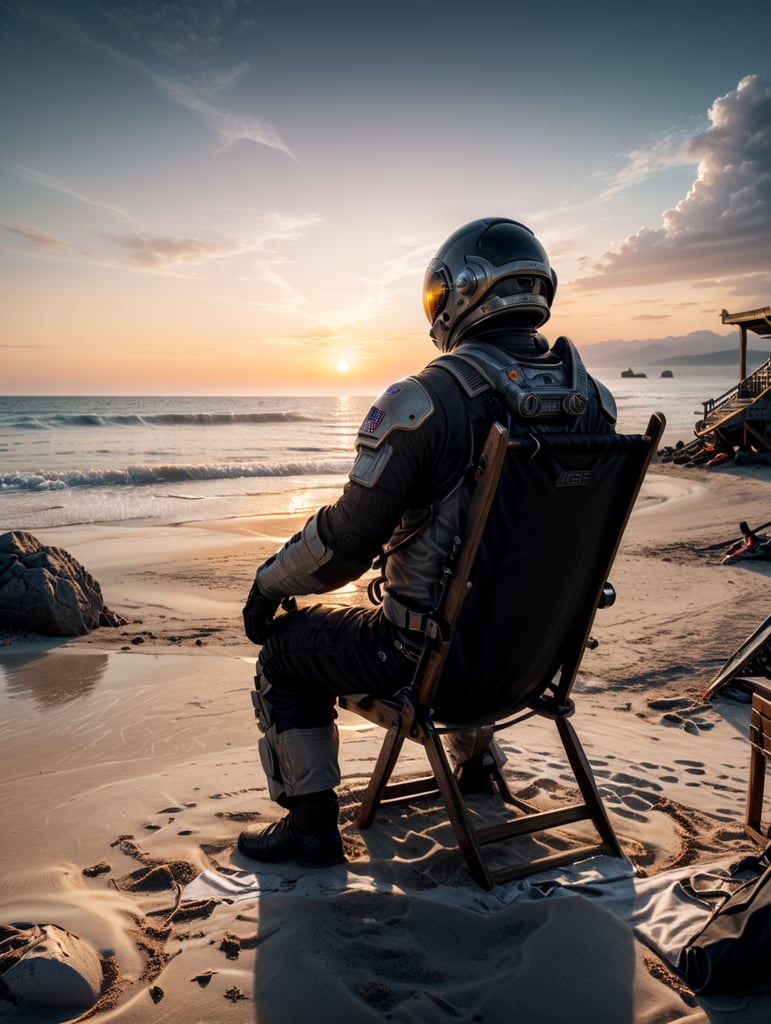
[45,590]
[50,968]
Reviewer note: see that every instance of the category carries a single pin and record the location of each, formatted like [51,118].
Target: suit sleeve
[397,449]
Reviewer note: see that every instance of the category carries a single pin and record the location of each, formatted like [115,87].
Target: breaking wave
[173,419]
[140,476]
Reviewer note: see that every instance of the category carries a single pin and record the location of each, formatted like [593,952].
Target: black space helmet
[493,268]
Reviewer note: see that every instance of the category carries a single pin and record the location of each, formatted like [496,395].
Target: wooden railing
[744,394]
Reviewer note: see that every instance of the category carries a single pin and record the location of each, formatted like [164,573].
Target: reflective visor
[435,290]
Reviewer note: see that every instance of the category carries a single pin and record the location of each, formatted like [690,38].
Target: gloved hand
[258,614]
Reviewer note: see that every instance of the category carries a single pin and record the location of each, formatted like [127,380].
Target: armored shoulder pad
[402,406]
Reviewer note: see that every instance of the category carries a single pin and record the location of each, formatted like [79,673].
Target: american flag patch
[372,420]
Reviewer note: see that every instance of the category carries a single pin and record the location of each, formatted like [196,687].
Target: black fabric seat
[545,522]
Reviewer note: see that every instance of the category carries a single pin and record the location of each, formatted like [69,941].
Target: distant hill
[697,348]
[728,357]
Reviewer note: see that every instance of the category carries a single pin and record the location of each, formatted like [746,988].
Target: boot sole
[297,858]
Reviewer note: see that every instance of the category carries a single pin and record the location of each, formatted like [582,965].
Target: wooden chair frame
[409,715]
[760,752]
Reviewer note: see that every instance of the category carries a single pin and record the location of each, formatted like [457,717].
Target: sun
[343,366]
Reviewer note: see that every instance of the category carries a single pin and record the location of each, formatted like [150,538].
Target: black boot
[308,834]
[476,775]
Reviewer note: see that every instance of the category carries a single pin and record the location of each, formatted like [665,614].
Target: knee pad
[269,759]
[299,761]
[263,709]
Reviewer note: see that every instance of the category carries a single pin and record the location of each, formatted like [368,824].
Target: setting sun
[343,366]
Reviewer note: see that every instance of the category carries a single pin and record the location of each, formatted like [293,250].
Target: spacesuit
[486,293]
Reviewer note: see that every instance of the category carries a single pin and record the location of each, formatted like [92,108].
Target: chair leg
[503,787]
[586,783]
[760,751]
[755,786]
[381,774]
[456,809]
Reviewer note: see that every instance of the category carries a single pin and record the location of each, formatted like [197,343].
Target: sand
[129,767]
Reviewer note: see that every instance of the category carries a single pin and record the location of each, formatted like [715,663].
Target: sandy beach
[129,766]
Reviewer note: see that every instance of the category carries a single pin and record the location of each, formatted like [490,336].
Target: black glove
[258,614]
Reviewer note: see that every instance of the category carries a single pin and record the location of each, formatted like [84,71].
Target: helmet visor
[435,290]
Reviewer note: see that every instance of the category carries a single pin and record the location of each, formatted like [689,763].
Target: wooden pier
[741,418]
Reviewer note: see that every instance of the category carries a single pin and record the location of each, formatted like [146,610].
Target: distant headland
[699,348]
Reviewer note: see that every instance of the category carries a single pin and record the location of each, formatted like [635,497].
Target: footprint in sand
[682,713]
[693,767]
[634,801]
[640,783]
[620,807]
[691,725]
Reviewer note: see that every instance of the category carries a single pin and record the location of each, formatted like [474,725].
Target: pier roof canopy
[756,320]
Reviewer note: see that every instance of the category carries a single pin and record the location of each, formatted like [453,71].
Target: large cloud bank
[723,225]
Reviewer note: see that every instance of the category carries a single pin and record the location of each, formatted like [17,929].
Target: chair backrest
[544,527]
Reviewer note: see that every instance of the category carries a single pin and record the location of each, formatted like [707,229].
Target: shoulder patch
[402,406]
[372,420]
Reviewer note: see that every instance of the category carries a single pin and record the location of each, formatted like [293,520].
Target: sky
[241,197]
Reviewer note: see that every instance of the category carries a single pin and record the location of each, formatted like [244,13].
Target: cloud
[667,151]
[220,80]
[175,29]
[25,348]
[38,178]
[186,23]
[230,127]
[403,270]
[319,331]
[164,253]
[39,238]
[724,222]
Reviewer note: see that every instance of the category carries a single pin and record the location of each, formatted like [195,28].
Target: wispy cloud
[273,292]
[39,238]
[166,253]
[230,127]
[38,178]
[378,293]
[220,80]
[667,151]
[724,222]
[24,348]
[175,29]
[158,253]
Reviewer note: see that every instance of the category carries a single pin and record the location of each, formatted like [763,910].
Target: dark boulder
[45,590]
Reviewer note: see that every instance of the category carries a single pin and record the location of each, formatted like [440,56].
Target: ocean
[75,460]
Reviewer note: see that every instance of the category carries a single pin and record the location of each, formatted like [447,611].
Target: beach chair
[760,753]
[544,525]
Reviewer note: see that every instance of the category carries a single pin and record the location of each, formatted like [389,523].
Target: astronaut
[486,293]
